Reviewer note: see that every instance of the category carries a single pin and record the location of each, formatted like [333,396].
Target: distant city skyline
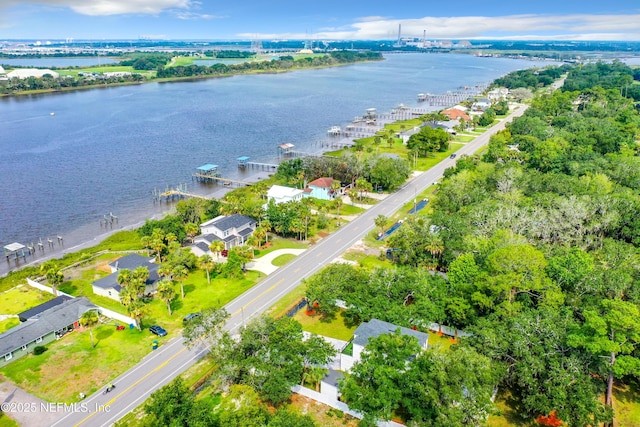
[329,19]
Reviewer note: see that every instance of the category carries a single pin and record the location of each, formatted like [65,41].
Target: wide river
[68,159]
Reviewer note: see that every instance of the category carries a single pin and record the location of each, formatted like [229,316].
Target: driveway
[264,263]
[26,409]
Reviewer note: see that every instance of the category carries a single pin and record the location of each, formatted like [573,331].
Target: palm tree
[267,226]
[90,319]
[127,297]
[260,234]
[137,310]
[205,262]
[54,275]
[216,247]
[124,277]
[381,221]
[139,278]
[192,230]
[253,243]
[180,273]
[165,270]
[167,293]
[337,204]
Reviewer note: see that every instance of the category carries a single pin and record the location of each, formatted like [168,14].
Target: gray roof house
[372,329]
[233,230]
[32,312]
[109,287]
[42,328]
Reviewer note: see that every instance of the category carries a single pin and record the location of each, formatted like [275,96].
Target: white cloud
[114,7]
[569,27]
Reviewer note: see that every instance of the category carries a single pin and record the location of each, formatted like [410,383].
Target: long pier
[258,165]
[178,193]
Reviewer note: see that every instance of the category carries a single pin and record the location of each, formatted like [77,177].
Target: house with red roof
[456,114]
[321,189]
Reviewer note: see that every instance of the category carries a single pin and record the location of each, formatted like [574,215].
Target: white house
[280,194]
[498,94]
[373,329]
[481,104]
[329,392]
[233,230]
[109,287]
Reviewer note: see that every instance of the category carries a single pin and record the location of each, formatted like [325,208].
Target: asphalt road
[172,358]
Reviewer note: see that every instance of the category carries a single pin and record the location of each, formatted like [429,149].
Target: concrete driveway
[264,263]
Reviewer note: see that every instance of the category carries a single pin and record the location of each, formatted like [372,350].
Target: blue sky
[328,19]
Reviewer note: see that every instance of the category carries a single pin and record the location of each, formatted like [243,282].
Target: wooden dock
[178,193]
[256,165]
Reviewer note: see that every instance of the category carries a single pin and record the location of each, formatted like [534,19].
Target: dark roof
[202,246]
[332,377]
[374,328]
[232,221]
[208,238]
[230,238]
[111,281]
[42,307]
[53,319]
[130,262]
[245,232]
[108,282]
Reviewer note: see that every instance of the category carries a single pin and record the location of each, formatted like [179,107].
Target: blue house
[321,189]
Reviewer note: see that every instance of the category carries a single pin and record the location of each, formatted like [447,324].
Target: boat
[334,130]
[422,97]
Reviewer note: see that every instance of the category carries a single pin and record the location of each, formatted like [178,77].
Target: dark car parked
[158,330]
[190,316]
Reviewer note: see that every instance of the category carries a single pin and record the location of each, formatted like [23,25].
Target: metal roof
[374,328]
[27,314]
[208,167]
[12,247]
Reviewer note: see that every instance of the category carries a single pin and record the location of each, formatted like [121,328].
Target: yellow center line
[156,369]
[259,296]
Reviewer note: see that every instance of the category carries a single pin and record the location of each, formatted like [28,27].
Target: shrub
[39,349]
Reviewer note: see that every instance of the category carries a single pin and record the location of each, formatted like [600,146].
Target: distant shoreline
[171,79]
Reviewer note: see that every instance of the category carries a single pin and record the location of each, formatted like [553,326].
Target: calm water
[105,150]
[57,62]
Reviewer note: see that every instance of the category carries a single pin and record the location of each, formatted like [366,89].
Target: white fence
[104,311]
[319,397]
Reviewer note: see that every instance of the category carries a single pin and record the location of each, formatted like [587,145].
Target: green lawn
[627,404]
[21,298]
[626,400]
[283,259]
[7,324]
[464,138]
[70,365]
[100,69]
[72,360]
[276,243]
[5,421]
[281,307]
[334,329]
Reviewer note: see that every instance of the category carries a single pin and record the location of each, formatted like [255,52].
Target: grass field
[283,259]
[70,365]
[21,298]
[7,324]
[333,329]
